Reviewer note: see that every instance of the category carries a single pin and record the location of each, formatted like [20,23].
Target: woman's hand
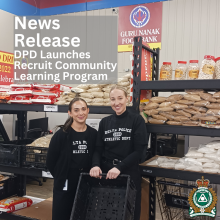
[113,173]
[96,172]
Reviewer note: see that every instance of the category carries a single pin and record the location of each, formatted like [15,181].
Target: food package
[216,95]
[46,92]
[78,90]
[60,103]
[83,86]
[98,100]
[207,97]
[20,91]
[181,112]
[191,111]
[123,79]
[199,109]
[180,166]
[4,88]
[211,165]
[153,163]
[214,157]
[174,98]
[4,97]
[124,84]
[202,103]
[185,102]
[151,105]
[174,123]
[210,170]
[214,106]
[168,165]
[155,121]
[214,144]
[69,94]
[166,71]
[96,86]
[151,112]
[165,104]
[128,76]
[158,99]
[107,90]
[88,100]
[208,125]
[174,113]
[166,115]
[165,109]
[97,103]
[48,87]
[87,95]
[210,118]
[106,100]
[190,123]
[194,168]
[95,90]
[29,86]
[218,100]
[159,117]
[161,160]
[98,94]
[204,160]
[194,154]
[144,116]
[179,106]
[193,161]
[207,68]
[190,97]
[106,95]
[194,91]
[205,149]
[41,99]
[20,99]
[180,118]
[14,203]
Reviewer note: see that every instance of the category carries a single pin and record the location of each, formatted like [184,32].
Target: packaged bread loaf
[123,79]
[106,89]
[77,90]
[106,95]
[207,97]
[98,94]
[60,102]
[179,106]
[155,121]
[216,95]
[194,91]
[208,118]
[174,98]
[166,115]
[88,100]
[100,100]
[181,112]
[199,109]
[213,112]
[151,112]
[165,109]
[214,106]
[196,117]
[107,100]
[158,99]
[174,113]
[181,118]
[174,123]
[95,90]
[189,123]
[165,104]
[151,105]
[202,103]
[185,102]
[159,117]
[83,86]
[218,100]
[124,83]
[191,111]
[190,97]
[87,95]
[96,85]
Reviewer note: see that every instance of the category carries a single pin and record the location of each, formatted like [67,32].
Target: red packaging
[21,86]
[64,88]
[46,92]
[47,86]
[20,99]
[42,99]
[20,91]
[14,203]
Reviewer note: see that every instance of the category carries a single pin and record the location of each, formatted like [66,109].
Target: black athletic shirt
[122,137]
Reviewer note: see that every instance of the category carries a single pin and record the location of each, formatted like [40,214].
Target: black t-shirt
[122,137]
[81,149]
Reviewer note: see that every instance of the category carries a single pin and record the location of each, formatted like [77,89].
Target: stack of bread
[195,108]
[65,98]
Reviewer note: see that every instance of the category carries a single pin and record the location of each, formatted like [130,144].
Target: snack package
[190,123]
[191,111]
[20,99]
[158,99]
[42,99]
[207,118]
[48,87]
[46,92]
[214,112]
[98,94]
[21,86]
[155,121]
[193,161]
[78,90]
[216,95]
[4,88]
[181,118]
[83,86]
[64,88]
[211,165]
[194,168]
[95,90]
[152,163]
[210,170]
[214,157]
[204,160]
[20,91]
[4,97]
[86,95]
[14,203]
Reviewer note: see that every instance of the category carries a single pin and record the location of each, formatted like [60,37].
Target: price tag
[47,174]
[51,108]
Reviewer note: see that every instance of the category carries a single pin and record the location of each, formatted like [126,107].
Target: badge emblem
[202,200]
[139,16]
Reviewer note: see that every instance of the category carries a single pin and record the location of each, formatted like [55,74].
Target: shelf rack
[164,86]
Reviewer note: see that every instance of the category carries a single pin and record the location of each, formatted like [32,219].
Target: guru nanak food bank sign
[140,20]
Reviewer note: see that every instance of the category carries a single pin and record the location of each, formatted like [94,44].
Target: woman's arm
[53,153]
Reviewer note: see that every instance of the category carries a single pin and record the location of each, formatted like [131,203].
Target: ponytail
[67,124]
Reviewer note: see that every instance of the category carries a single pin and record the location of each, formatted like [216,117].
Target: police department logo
[202,200]
[139,16]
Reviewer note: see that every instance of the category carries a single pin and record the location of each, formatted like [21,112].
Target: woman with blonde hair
[121,140]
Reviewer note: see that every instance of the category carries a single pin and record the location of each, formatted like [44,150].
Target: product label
[50,108]
[46,174]
[21,206]
[209,123]
[194,74]
[178,73]
[208,69]
[163,74]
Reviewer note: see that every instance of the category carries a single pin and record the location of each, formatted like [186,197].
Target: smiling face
[79,111]
[118,101]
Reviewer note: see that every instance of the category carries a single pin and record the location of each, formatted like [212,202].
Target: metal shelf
[184,130]
[178,174]
[180,85]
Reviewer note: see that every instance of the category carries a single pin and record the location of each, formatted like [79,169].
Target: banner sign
[140,20]
[6,68]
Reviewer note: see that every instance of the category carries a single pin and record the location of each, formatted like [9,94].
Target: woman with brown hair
[70,153]
[121,140]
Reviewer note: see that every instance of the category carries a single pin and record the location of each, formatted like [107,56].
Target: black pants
[135,175]
[63,200]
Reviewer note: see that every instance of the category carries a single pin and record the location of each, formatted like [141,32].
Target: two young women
[116,148]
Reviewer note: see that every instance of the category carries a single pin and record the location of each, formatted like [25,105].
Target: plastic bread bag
[214,157]
[218,100]
[214,106]
[159,117]
[185,102]
[78,90]
[170,164]
[158,99]
[216,95]
[191,111]
[211,165]
[214,144]
[161,160]
[202,103]
[204,149]
[180,166]
[186,114]
[214,112]
[193,153]
[210,170]
[166,115]
[195,98]
[151,112]
[174,123]
[207,97]
[152,163]
[165,104]
[215,126]
[190,123]
[155,121]
[194,168]
[194,91]
[179,106]
[199,109]
[181,118]
[174,98]
[204,160]
[151,105]
[95,90]
[193,161]
[207,117]
[86,95]
[173,113]
[165,109]
[83,86]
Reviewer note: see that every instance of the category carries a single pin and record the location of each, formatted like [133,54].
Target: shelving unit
[165,86]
